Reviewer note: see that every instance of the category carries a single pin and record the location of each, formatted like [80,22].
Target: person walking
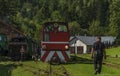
[98,52]
[38,53]
[22,53]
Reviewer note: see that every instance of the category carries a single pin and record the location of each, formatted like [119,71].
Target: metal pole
[75,49]
[50,72]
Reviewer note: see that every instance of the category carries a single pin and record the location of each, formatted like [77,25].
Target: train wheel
[55,60]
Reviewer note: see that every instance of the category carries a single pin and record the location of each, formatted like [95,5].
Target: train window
[49,28]
[47,38]
[62,28]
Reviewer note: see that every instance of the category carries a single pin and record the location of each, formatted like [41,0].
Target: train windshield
[62,28]
[56,27]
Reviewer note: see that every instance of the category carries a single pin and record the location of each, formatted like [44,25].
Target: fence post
[50,70]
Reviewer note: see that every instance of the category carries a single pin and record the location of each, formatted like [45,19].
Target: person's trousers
[98,63]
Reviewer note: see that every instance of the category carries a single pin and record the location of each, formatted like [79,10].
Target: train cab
[55,41]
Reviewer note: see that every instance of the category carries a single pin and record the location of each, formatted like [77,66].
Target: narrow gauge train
[55,42]
[12,47]
[15,45]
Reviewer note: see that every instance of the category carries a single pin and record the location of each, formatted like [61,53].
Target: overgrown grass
[113,60]
[30,68]
[27,68]
[82,66]
[88,70]
[113,55]
[113,51]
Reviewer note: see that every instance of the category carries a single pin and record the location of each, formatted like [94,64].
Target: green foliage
[91,17]
[56,16]
[7,9]
[74,28]
[95,28]
[114,18]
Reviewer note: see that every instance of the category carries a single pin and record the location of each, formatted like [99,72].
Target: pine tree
[114,18]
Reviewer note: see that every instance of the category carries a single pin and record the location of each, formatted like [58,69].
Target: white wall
[79,43]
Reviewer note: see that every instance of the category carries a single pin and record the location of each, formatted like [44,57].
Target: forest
[85,17]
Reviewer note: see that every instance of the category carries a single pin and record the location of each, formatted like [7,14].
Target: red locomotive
[55,42]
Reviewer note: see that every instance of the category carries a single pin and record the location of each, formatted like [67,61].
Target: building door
[79,50]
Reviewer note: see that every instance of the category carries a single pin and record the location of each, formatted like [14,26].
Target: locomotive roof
[45,24]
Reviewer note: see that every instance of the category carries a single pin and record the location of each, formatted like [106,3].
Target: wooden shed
[10,30]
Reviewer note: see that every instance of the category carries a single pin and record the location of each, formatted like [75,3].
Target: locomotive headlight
[44,47]
[66,47]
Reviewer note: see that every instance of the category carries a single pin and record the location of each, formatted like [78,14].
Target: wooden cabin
[10,30]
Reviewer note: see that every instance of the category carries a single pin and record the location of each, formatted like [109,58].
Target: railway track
[35,71]
[114,65]
[51,70]
[61,70]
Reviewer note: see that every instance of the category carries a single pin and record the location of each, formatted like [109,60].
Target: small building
[83,44]
[15,38]
[10,30]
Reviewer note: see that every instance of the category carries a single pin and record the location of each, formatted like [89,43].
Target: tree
[8,8]
[82,15]
[56,16]
[95,28]
[114,18]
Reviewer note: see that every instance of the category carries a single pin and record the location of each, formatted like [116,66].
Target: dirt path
[114,65]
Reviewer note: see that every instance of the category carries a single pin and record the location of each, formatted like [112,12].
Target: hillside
[91,17]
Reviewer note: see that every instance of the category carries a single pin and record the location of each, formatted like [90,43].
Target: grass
[76,68]
[87,70]
[27,68]
[83,69]
[82,66]
[113,51]
[113,60]
[30,68]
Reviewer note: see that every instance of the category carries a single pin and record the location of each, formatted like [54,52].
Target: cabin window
[53,28]
[47,37]
[62,28]
[49,28]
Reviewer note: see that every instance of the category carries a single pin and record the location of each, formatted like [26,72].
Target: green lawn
[113,60]
[30,68]
[27,68]
[87,70]
[113,51]
[82,66]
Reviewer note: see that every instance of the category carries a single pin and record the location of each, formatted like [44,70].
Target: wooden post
[50,71]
